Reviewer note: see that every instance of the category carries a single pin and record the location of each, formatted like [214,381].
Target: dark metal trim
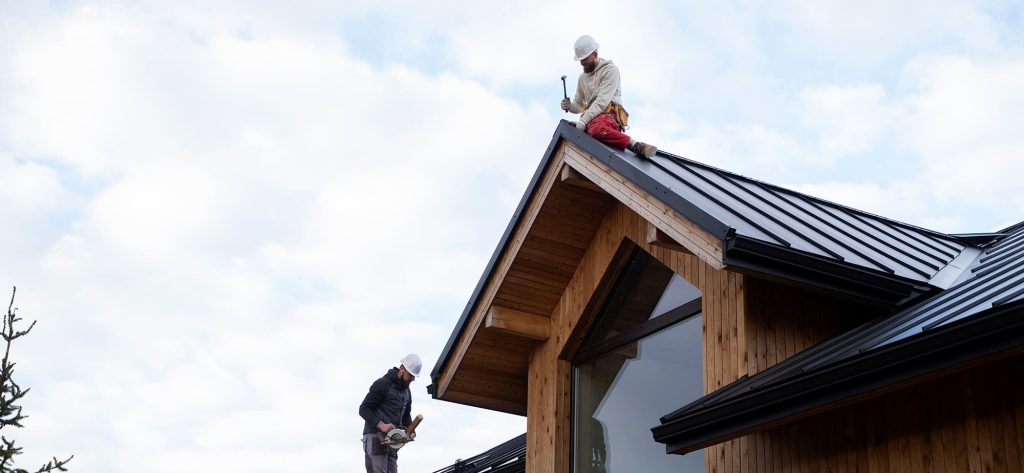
[991,333]
[805,268]
[639,332]
[460,326]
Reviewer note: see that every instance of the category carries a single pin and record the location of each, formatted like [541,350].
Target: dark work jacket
[389,401]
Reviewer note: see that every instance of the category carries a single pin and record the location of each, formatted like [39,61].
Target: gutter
[995,332]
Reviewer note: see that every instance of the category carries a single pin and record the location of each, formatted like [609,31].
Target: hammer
[564,93]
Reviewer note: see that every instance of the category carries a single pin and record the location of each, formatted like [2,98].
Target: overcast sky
[231,217]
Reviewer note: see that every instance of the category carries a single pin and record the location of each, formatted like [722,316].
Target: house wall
[549,387]
[969,421]
[779,322]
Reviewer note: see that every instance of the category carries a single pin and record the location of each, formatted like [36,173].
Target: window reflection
[620,394]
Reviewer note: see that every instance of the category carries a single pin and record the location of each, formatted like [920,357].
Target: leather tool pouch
[620,114]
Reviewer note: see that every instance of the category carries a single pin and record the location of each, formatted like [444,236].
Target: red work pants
[605,130]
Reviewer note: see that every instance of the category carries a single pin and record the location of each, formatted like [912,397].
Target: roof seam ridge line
[1005,299]
[812,216]
[819,219]
[780,209]
[867,246]
[895,223]
[928,239]
[984,269]
[899,249]
[826,223]
[719,202]
[996,279]
[981,268]
[1002,245]
[844,232]
[690,185]
[1010,250]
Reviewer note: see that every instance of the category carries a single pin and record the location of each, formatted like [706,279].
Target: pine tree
[11,393]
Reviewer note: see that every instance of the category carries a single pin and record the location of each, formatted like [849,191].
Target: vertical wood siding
[970,421]
[548,399]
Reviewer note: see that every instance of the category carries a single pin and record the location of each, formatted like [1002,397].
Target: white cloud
[847,120]
[263,220]
[965,120]
[230,218]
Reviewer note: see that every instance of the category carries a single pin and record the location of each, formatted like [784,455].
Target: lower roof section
[979,317]
[508,457]
[739,408]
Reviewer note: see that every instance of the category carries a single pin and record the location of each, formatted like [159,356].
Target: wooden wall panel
[549,388]
[964,422]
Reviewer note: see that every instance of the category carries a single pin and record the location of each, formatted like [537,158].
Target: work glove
[570,106]
[581,126]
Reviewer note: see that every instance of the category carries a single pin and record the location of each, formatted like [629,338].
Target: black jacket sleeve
[373,398]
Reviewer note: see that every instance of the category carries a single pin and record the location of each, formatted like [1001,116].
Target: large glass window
[641,360]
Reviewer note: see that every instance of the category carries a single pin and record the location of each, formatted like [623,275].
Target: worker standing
[387,406]
[599,100]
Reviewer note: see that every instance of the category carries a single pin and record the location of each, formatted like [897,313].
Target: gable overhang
[748,408]
[576,167]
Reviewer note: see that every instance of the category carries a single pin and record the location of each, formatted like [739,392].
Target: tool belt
[619,113]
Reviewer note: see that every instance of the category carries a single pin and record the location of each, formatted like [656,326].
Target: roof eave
[1000,331]
[503,243]
[874,287]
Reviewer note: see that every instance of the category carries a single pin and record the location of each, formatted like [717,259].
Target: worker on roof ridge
[599,99]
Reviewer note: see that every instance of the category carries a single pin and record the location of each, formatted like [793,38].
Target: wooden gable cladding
[548,419]
[488,366]
[571,200]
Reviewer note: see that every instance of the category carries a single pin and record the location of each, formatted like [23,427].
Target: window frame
[586,354]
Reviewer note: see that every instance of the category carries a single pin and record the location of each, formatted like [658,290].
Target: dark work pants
[386,462]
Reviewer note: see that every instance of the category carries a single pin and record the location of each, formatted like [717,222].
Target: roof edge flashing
[503,243]
[999,331]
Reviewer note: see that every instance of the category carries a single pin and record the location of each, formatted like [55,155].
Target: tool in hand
[564,92]
[397,438]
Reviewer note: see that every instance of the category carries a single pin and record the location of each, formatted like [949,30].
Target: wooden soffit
[487,365]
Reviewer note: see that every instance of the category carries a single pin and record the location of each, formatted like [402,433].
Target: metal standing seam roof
[768,229]
[994,281]
[509,457]
[814,226]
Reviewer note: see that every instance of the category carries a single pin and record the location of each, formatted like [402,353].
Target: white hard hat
[584,46]
[412,364]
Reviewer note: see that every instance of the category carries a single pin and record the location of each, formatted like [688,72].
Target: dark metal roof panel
[998,279]
[789,219]
[509,457]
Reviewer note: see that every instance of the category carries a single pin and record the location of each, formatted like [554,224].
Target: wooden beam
[681,229]
[656,237]
[518,323]
[498,274]
[573,177]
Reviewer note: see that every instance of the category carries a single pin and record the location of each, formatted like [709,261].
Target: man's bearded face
[589,63]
